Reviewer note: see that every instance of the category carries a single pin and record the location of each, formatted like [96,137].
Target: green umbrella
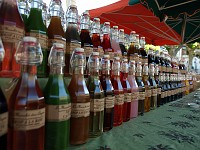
[181,15]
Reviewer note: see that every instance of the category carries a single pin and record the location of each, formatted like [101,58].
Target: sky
[83,5]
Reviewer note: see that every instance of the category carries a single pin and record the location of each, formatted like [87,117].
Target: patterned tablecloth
[173,126]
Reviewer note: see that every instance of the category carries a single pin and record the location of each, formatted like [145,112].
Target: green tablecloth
[174,126]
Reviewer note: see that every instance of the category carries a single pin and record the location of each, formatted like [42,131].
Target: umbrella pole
[183,28]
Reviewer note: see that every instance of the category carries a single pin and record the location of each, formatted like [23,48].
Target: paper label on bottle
[57,113]
[166,93]
[9,33]
[144,60]
[163,69]
[147,93]
[71,46]
[162,94]
[109,101]
[119,99]
[154,92]
[97,105]
[28,119]
[169,93]
[127,97]
[42,38]
[80,110]
[3,123]
[158,90]
[88,50]
[135,96]
[141,96]
[111,54]
[56,40]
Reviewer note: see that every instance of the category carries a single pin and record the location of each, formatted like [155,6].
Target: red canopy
[137,18]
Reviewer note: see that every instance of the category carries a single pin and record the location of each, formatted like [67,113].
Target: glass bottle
[108,93]
[118,91]
[55,30]
[36,28]
[143,51]
[11,31]
[96,96]
[153,86]
[163,88]
[145,79]
[122,42]
[159,86]
[24,10]
[72,36]
[115,41]
[126,88]
[27,104]
[132,50]
[96,41]
[58,106]
[45,14]
[134,89]
[80,99]
[3,108]
[141,88]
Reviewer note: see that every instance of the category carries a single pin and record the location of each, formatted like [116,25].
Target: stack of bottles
[113,78]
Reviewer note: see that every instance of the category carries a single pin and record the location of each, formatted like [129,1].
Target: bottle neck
[78,71]
[29,69]
[58,70]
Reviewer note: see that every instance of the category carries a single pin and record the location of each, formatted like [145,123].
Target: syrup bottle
[3,108]
[11,31]
[122,42]
[58,106]
[143,51]
[115,41]
[118,91]
[26,104]
[97,97]
[96,41]
[36,28]
[80,99]
[134,89]
[24,10]
[153,87]
[108,93]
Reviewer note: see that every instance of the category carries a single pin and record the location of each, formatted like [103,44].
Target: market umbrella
[181,15]
[138,18]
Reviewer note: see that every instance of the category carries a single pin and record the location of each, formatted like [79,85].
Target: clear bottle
[57,98]
[97,97]
[96,41]
[3,108]
[122,42]
[36,28]
[45,14]
[126,88]
[24,10]
[27,103]
[80,99]
[108,93]
[143,51]
[11,31]
[115,41]
[72,36]
[118,91]
[141,88]
[145,79]
[134,89]
[153,86]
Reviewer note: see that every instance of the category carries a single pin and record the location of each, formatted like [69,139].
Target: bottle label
[71,46]
[147,93]
[28,119]
[42,38]
[109,101]
[111,54]
[162,94]
[141,96]
[154,92]
[159,90]
[9,33]
[56,40]
[135,96]
[119,99]
[166,93]
[57,113]
[144,60]
[169,93]
[127,97]
[163,69]
[88,51]
[97,105]
[4,123]
[80,110]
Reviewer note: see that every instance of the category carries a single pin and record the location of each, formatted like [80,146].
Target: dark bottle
[154,93]
[57,99]
[36,28]
[168,86]
[163,88]
[97,97]
[162,61]
[159,86]
[121,42]
[11,31]
[145,79]
[96,41]
[27,103]
[151,59]
[141,88]
[108,93]
[24,10]
[80,99]
[118,91]
[143,51]
[3,108]
[126,89]
[157,60]
[72,37]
